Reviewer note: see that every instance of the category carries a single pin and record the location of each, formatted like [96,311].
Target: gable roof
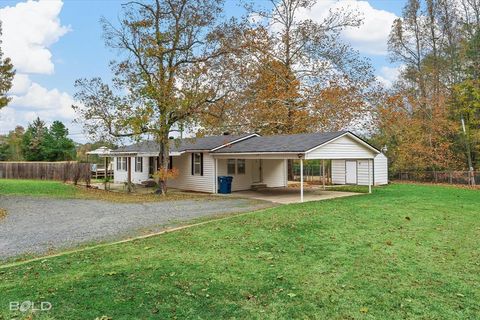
[246,143]
[186,144]
[281,143]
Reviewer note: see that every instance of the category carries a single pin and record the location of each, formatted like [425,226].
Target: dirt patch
[3,213]
[139,196]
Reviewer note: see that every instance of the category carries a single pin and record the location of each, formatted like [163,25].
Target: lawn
[403,252]
[56,189]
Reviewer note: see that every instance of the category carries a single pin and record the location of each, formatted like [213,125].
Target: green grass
[56,189]
[404,252]
[36,188]
[350,188]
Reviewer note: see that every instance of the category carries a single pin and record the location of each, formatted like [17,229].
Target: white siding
[381,169]
[120,176]
[187,181]
[376,175]
[338,171]
[274,172]
[344,147]
[362,172]
[240,181]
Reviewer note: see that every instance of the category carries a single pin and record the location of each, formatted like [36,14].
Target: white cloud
[20,84]
[48,104]
[29,28]
[388,75]
[37,101]
[371,37]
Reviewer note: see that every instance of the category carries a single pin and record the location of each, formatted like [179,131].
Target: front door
[257,171]
[351,172]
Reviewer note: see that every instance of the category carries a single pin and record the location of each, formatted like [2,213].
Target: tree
[287,69]
[167,74]
[6,76]
[33,141]
[4,150]
[58,146]
[14,143]
[40,143]
[416,121]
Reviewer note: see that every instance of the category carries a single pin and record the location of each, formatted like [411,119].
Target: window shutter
[170,163]
[193,164]
[201,164]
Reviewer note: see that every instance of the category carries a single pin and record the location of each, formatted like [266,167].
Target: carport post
[215,182]
[369,178]
[301,179]
[323,173]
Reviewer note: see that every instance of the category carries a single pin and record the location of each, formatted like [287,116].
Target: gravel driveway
[37,225]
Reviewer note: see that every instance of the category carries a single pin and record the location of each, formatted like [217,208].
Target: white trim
[369,178]
[257,152]
[235,141]
[342,135]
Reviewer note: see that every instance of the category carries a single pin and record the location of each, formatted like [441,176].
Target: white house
[253,160]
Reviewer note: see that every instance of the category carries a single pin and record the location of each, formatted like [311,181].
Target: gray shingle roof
[255,144]
[281,143]
[179,145]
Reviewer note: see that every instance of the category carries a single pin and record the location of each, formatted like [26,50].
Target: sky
[53,42]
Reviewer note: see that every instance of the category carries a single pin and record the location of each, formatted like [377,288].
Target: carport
[343,148]
[289,195]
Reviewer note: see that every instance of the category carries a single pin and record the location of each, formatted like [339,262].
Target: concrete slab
[292,195]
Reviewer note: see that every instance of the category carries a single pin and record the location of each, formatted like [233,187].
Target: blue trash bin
[225,184]
[229,184]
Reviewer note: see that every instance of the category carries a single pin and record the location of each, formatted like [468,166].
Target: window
[231,166]
[240,166]
[121,164]
[124,163]
[170,163]
[197,163]
[138,164]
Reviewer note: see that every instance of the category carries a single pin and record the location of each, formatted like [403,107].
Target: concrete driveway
[38,225]
[292,195]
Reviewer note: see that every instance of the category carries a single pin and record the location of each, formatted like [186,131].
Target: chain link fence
[448,177]
[312,172]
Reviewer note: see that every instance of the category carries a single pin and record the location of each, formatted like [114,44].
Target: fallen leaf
[363,309]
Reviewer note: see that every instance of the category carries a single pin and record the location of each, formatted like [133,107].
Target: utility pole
[471,174]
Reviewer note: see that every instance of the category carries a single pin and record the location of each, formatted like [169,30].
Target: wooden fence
[61,171]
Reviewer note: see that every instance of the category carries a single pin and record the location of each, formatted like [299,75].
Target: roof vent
[171,138]
[226,133]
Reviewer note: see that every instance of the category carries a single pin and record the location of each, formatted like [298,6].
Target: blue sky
[58,42]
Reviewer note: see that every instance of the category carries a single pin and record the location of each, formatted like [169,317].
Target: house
[253,160]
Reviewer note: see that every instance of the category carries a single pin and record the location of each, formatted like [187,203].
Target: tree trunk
[164,156]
